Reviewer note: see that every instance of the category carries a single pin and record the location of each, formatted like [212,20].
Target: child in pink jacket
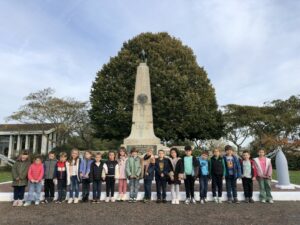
[122,158]
[35,176]
[264,176]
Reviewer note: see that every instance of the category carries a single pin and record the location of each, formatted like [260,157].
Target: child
[191,170]
[73,175]
[35,176]
[133,173]
[264,175]
[162,170]
[175,175]
[122,158]
[112,173]
[217,174]
[248,175]
[85,167]
[49,174]
[148,168]
[19,177]
[232,173]
[97,175]
[203,176]
[61,176]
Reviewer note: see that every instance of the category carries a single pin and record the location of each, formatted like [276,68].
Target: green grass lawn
[294,176]
[5,176]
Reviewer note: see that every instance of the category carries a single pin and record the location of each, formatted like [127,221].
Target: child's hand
[32,181]
[17,179]
[223,178]
[253,178]
[162,175]
[81,175]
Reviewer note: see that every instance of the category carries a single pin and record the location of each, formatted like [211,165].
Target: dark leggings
[49,188]
[217,182]
[110,186]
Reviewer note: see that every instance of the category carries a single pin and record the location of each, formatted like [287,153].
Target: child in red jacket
[248,175]
[35,176]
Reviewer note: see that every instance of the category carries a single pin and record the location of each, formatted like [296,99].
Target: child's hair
[160,150]
[51,153]
[216,150]
[37,157]
[121,149]
[204,152]
[228,147]
[174,150]
[88,151]
[261,149]
[63,154]
[98,154]
[71,159]
[134,150]
[246,151]
[112,152]
[188,148]
[24,152]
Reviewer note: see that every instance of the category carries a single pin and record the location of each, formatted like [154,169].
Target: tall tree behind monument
[183,99]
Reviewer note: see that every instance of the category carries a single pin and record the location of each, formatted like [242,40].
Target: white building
[37,138]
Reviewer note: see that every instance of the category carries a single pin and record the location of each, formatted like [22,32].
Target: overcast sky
[250,49]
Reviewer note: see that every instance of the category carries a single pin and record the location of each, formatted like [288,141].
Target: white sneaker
[202,201]
[177,202]
[193,201]
[15,203]
[20,203]
[27,204]
[76,200]
[219,200]
[216,200]
[107,199]
[37,202]
[205,200]
[263,201]
[112,199]
[123,198]
[70,200]
[271,201]
[173,202]
[187,201]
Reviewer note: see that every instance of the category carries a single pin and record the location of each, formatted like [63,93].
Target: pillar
[11,147]
[27,142]
[34,147]
[50,141]
[54,140]
[19,144]
[44,144]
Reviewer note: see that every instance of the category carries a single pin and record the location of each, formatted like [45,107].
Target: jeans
[34,192]
[189,183]
[74,187]
[19,192]
[231,187]
[49,188]
[85,189]
[175,191]
[134,186]
[217,182]
[61,190]
[161,186]
[147,188]
[203,186]
[265,189]
[248,187]
[97,189]
[110,186]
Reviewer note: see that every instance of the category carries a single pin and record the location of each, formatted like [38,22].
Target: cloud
[250,49]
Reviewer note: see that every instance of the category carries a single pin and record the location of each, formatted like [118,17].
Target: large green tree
[184,102]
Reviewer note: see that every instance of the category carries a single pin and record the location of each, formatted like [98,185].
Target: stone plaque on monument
[142,133]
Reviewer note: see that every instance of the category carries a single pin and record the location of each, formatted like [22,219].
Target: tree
[184,102]
[66,114]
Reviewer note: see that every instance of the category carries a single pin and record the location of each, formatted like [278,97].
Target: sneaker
[247,200]
[229,200]
[201,201]
[20,203]
[177,202]
[70,200]
[173,202]
[27,204]
[124,198]
[216,200]
[37,202]
[57,202]
[158,200]
[193,201]
[187,201]
[76,200]
[251,200]
[98,201]
[145,200]
[236,201]
[271,201]
[15,203]
[112,199]
[130,200]
[134,200]
[220,200]
[164,201]
[205,200]
[107,199]
[263,201]
[94,201]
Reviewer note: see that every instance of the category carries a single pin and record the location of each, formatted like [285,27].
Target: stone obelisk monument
[142,133]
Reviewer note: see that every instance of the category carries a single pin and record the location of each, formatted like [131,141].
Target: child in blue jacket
[85,168]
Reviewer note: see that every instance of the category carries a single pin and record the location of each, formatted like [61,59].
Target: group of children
[171,170]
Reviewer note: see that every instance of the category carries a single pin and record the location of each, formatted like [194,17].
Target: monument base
[142,148]
[287,187]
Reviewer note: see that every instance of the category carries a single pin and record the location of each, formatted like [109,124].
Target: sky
[250,49]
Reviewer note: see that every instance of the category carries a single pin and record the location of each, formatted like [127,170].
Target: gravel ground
[139,213]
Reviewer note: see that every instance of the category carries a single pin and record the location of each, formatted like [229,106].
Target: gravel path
[139,213]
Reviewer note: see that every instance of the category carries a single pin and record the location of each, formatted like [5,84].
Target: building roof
[26,127]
